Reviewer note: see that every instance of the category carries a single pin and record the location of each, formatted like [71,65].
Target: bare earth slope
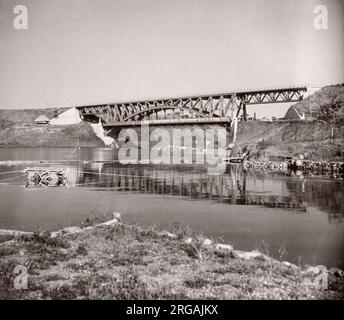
[292,139]
[17,128]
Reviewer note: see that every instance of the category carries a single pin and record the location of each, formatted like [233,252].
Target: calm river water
[248,209]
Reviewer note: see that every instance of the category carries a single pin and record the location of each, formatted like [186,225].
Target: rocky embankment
[113,260]
[333,169]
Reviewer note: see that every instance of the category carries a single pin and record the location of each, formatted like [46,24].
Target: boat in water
[45,177]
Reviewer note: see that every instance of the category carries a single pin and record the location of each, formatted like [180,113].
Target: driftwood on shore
[65,231]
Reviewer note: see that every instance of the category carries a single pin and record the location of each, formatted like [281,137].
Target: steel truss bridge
[206,109]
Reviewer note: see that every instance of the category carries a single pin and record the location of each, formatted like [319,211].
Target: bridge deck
[169,122]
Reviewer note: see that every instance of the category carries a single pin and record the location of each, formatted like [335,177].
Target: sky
[88,52]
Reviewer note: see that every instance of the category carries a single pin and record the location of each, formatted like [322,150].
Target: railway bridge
[204,109]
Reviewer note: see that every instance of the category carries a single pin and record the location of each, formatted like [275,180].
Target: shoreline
[265,139]
[132,262]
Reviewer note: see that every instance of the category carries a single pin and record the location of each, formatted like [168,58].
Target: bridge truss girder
[197,107]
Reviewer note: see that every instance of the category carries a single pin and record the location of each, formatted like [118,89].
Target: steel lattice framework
[216,108]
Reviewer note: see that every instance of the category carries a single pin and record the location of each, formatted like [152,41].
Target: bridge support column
[244,113]
[242,106]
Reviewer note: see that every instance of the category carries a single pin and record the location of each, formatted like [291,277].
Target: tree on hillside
[325,104]
[332,111]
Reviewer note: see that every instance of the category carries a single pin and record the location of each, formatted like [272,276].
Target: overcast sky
[85,51]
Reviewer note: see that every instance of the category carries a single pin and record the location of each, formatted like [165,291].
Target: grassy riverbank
[129,262]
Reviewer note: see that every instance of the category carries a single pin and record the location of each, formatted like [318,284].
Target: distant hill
[327,104]
[28,115]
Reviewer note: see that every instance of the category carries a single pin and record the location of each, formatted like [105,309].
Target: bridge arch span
[157,109]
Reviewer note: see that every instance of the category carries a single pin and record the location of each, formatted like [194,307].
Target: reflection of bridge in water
[229,188]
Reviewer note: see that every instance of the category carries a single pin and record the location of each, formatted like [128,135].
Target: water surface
[300,219]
